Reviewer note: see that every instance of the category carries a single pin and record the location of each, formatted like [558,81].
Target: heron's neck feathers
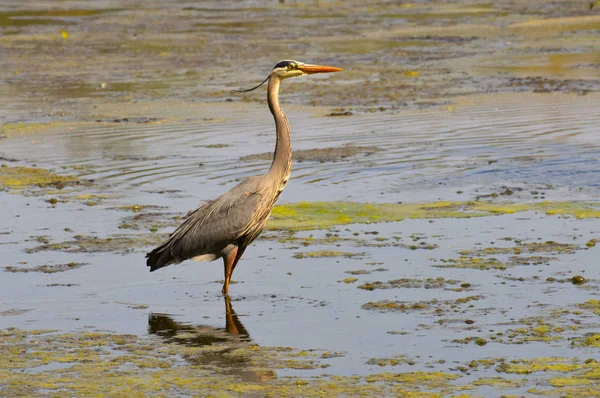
[280,169]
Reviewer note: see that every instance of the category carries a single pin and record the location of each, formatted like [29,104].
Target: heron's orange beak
[308,68]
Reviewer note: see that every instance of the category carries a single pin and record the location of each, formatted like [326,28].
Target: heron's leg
[229,264]
[238,255]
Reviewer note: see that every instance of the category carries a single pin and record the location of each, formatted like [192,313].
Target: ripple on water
[537,139]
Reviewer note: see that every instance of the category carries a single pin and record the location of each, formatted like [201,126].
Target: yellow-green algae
[104,364]
[577,327]
[317,215]
[11,130]
[51,364]
[94,244]
[521,254]
[46,268]
[522,248]
[593,305]
[394,361]
[429,283]
[23,177]
[542,364]
[327,253]
[570,377]
[500,382]
[472,263]
[439,306]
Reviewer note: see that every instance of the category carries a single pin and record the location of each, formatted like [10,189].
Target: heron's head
[290,68]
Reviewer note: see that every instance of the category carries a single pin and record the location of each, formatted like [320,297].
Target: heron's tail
[159,257]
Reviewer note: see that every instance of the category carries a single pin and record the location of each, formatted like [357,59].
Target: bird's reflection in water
[233,337]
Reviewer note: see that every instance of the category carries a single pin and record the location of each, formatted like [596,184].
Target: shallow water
[148,149]
[548,147]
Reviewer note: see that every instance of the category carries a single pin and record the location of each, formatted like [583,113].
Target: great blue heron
[225,226]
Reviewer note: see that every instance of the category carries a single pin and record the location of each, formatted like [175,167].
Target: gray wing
[209,229]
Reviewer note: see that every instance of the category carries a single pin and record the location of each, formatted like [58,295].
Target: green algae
[407,283]
[291,239]
[593,305]
[472,263]
[97,363]
[554,325]
[500,382]
[93,244]
[14,311]
[46,268]
[118,364]
[327,254]
[366,271]
[438,306]
[12,130]
[306,216]
[522,248]
[386,305]
[318,215]
[523,253]
[18,178]
[393,361]
[542,364]
[593,340]
[414,379]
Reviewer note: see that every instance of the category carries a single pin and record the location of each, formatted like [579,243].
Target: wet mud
[438,236]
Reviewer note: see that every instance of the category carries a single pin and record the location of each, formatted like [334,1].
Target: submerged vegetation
[44,362]
[49,363]
[15,178]
[316,215]
[45,268]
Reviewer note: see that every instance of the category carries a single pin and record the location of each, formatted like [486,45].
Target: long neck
[282,158]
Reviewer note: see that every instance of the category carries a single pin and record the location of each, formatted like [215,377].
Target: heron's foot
[225,289]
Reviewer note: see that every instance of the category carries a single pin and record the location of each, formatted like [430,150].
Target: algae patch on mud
[429,283]
[318,215]
[47,363]
[327,253]
[571,377]
[93,244]
[24,177]
[11,130]
[46,268]
[522,253]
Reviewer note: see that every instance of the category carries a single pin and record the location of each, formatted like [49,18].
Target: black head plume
[253,88]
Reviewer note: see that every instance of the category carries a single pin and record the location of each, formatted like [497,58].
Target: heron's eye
[291,66]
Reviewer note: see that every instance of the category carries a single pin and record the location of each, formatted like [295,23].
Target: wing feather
[210,228]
